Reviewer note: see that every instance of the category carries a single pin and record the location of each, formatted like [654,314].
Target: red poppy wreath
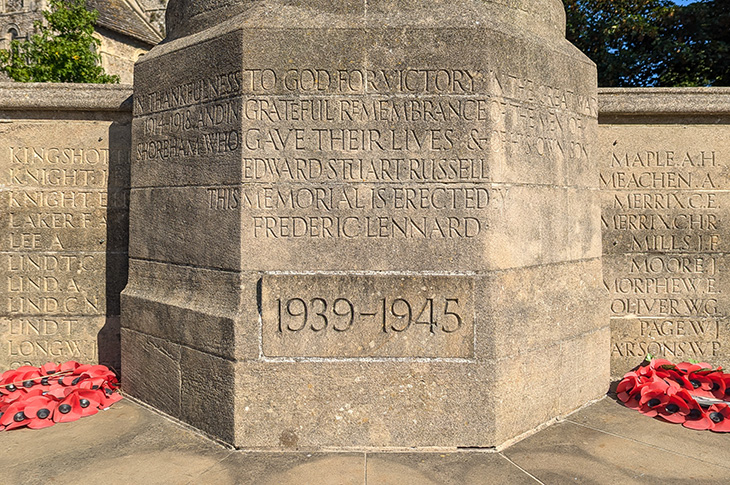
[39,397]
[693,394]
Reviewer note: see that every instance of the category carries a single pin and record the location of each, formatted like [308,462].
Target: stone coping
[612,101]
[65,97]
[663,101]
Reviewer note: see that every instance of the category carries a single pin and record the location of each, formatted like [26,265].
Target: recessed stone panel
[665,212]
[63,245]
[367,316]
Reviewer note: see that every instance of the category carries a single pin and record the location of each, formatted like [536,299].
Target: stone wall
[64,178]
[665,175]
[119,53]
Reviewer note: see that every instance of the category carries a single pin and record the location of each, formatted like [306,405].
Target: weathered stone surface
[513,300]
[161,388]
[567,452]
[64,169]
[59,337]
[210,402]
[194,307]
[665,180]
[645,104]
[297,164]
[290,405]
[64,98]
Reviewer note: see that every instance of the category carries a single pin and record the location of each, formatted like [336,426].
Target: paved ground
[604,443]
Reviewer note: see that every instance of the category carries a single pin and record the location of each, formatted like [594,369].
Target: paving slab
[443,468]
[609,416]
[127,443]
[131,444]
[571,453]
[284,468]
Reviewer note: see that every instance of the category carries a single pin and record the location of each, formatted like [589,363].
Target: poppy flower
[93,384]
[49,369]
[653,396]
[726,382]
[628,387]
[68,366]
[689,367]
[29,378]
[719,414]
[14,416]
[719,384]
[23,377]
[5,375]
[96,371]
[677,378]
[58,391]
[10,381]
[90,401]
[701,384]
[68,410]
[109,397]
[676,409]
[39,410]
[14,395]
[69,379]
[696,418]
[660,364]
[82,368]
[645,372]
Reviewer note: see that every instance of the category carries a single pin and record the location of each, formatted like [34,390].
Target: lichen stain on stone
[289,439]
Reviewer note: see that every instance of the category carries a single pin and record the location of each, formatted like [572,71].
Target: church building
[126,29]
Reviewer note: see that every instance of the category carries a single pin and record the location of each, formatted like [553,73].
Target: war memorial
[377,225]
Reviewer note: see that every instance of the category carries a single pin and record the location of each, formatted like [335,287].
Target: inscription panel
[358,316]
[433,157]
[666,194]
[63,247]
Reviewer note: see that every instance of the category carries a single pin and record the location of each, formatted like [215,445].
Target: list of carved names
[664,225]
[54,265]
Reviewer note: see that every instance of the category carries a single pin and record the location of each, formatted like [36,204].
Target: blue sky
[683,2]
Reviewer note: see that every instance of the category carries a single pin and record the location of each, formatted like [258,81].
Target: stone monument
[365,223]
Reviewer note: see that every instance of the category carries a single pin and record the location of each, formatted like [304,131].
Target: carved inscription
[29,340]
[367,316]
[664,224]
[317,80]
[61,207]
[364,153]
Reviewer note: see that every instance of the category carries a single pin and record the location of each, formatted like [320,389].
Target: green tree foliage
[62,49]
[653,42]
[701,53]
